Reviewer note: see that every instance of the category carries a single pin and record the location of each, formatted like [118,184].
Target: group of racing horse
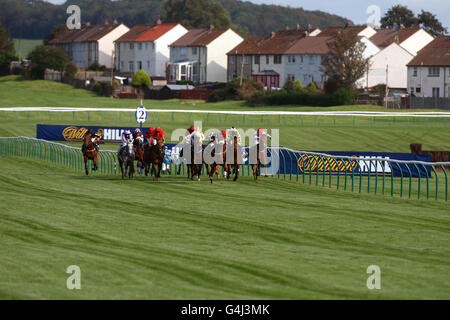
[149,151]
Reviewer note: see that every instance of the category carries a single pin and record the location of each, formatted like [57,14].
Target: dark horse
[182,159]
[89,150]
[154,155]
[126,157]
[215,167]
[236,156]
[139,152]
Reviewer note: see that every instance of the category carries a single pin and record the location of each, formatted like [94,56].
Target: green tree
[141,80]
[431,24]
[399,15]
[6,43]
[70,70]
[346,63]
[196,13]
[43,57]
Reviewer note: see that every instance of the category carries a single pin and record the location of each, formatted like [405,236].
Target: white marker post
[141,115]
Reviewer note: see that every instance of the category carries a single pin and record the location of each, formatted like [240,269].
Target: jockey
[260,133]
[158,134]
[96,140]
[137,135]
[148,137]
[231,133]
[188,134]
[197,133]
[126,138]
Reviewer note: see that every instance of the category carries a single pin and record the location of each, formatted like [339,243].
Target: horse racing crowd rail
[342,172]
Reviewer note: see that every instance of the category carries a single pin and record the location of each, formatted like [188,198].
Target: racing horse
[215,167]
[183,159]
[89,151]
[139,157]
[261,154]
[154,155]
[126,156]
[233,146]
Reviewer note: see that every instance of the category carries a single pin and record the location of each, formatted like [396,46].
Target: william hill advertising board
[305,164]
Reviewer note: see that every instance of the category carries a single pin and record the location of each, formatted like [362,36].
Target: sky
[356,10]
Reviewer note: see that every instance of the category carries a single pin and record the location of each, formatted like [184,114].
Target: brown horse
[215,167]
[154,155]
[237,159]
[139,156]
[90,152]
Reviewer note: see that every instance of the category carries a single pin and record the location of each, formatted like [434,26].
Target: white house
[200,55]
[91,44]
[429,71]
[397,48]
[146,47]
[412,39]
[289,54]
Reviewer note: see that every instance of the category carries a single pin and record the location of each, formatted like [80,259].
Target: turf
[177,239]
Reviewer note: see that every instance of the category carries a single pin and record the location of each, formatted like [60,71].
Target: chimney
[272,35]
[298,27]
[211,28]
[115,22]
[305,33]
[88,24]
[286,28]
[402,26]
[310,28]
[158,22]
[106,22]
[348,24]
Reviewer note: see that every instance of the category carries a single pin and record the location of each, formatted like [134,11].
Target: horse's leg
[95,161]
[236,172]
[86,165]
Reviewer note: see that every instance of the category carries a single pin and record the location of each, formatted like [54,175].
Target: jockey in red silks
[158,134]
[149,135]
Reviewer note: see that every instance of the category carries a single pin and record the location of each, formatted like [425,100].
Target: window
[277,59]
[245,59]
[291,77]
[232,59]
[121,65]
[257,60]
[139,65]
[415,72]
[434,71]
[418,90]
[291,59]
[194,50]
[305,79]
[312,59]
[412,90]
[301,59]
[267,59]
[435,92]
[131,66]
[131,46]
[148,64]
[139,46]
[146,46]
[183,51]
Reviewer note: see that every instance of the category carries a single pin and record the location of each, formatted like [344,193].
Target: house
[146,47]
[90,44]
[361,31]
[200,55]
[397,48]
[287,55]
[411,39]
[429,71]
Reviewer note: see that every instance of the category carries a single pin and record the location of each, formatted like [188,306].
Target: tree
[399,15]
[140,80]
[6,43]
[346,63]
[43,57]
[196,13]
[431,24]
[70,70]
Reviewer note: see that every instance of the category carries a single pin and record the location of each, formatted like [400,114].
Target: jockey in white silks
[260,135]
[126,138]
[233,132]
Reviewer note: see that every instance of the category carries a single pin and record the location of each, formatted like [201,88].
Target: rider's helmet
[224,134]
[127,132]
[260,131]
[191,129]
[137,130]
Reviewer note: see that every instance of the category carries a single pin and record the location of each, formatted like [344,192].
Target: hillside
[34,19]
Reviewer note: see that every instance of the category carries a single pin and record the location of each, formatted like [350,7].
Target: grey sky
[355,10]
